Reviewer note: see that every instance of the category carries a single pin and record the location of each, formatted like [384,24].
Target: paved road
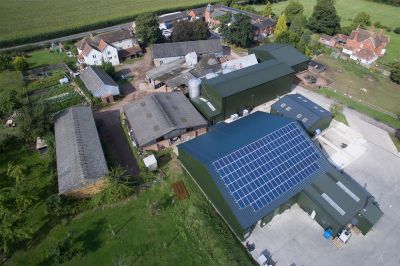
[70,37]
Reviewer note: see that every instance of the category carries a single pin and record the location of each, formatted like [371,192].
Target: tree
[397,30]
[20,63]
[267,12]
[33,121]
[293,9]
[239,32]
[190,31]
[281,26]
[5,62]
[296,25]
[109,69]
[324,18]
[306,36]
[363,19]
[8,102]
[395,73]
[147,29]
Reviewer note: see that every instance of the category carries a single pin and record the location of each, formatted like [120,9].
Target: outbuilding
[99,83]
[237,92]
[284,53]
[313,117]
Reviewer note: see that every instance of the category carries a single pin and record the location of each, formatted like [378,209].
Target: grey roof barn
[80,158]
[177,49]
[98,82]
[160,115]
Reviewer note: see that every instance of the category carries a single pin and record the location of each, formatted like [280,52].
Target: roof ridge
[78,144]
[162,110]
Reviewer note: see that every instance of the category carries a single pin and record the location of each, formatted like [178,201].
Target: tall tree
[395,73]
[147,29]
[296,25]
[190,31]
[239,32]
[267,10]
[293,9]
[109,69]
[5,62]
[324,18]
[281,26]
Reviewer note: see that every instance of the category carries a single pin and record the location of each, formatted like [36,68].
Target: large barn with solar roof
[261,164]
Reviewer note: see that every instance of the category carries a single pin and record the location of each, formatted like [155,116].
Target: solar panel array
[260,172]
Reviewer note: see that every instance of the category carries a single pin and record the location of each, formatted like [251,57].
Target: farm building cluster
[251,165]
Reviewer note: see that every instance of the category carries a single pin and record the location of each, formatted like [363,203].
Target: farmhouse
[81,165]
[168,52]
[262,26]
[260,165]
[162,119]
[108,47]
[99,83]
[365,46]
[282,52]
[313,117]
[237,92]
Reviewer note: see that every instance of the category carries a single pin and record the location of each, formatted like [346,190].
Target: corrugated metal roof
[282,52]
[298,107]
[156,115]
[176,49]
[226,138]
[249,77]
[80,158]
[94,78]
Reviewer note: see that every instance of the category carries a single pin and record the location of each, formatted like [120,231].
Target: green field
[44,57]
[349,78]
[347,9]
[25,18]
[11,80]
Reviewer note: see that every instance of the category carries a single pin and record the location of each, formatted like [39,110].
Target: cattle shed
[243,89]
[312,116]
[261,164]
[282,52]
[81,164]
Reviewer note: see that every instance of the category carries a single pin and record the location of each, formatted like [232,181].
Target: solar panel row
[260,172]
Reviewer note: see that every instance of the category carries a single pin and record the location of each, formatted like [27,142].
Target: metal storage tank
[194,88]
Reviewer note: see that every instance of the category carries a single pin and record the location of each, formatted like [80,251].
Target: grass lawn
[347,9]
[187,232]
[341,118]
[379,116]
[11,80]
[396,142]
[349,78]
[44,57]
[20,19]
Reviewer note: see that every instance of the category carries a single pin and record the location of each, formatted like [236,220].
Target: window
[283,105]
[108,52]
[288,108]
[110,58]
[94,56]
[299,116]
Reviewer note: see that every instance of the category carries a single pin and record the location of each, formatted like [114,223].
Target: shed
[64,81]
[150,162]
[312,116]
[243,89]
[81,164]
[282,52]
[99,83]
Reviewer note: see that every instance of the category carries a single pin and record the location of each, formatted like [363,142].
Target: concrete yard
[293,238]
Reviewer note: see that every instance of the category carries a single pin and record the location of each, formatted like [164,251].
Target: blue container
[328,233]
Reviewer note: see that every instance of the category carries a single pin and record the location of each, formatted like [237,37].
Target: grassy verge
[384,118]
[396,142]
[341,118]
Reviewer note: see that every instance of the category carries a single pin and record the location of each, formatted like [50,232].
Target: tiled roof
[94,78]
[177,49]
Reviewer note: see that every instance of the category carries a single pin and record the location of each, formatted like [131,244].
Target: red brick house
[366,46]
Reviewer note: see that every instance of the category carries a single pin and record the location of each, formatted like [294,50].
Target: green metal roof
[247,78]
[203,105]
[283,52]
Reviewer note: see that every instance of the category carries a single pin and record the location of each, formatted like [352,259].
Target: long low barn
[81,165]
[158,120]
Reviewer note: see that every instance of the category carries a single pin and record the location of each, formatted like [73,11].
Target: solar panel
[260,172]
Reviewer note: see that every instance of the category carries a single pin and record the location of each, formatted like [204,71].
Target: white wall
[110,54]
[94,58]
[159,61]
[124,44]
[106,90]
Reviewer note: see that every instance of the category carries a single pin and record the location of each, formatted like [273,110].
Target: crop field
[347,9]
[25,18]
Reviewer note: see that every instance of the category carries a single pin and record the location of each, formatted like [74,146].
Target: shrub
[397,30]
